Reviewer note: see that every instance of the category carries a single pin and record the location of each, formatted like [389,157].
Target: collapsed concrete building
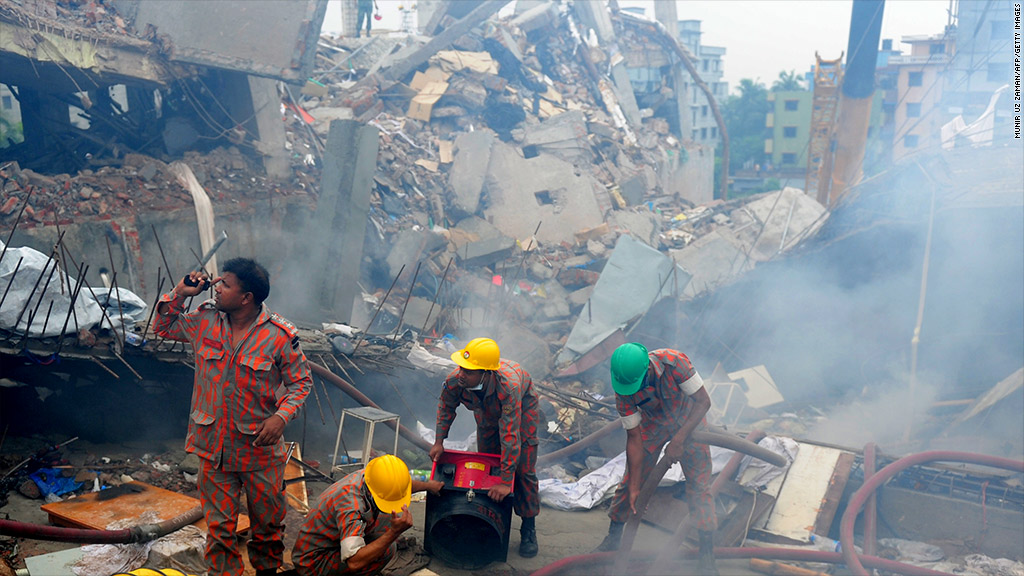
[501,177]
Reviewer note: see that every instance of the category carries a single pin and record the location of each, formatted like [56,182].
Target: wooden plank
[801,494]
[830,504]
[97,510]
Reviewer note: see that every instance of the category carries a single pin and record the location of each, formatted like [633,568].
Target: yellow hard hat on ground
[389,482]
[479,354]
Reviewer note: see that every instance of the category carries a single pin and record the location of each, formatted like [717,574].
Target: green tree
[745,115]
[787,82]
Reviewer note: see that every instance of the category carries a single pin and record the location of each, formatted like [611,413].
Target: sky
[761,37]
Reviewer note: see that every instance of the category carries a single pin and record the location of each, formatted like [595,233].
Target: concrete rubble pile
[500,154]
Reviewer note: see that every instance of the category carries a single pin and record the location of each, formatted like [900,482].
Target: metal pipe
[363,399]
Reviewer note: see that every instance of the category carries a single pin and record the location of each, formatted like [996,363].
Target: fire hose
[135,534]
[850,556]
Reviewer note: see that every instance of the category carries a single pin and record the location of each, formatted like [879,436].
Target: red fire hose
[871,484]
[135,534]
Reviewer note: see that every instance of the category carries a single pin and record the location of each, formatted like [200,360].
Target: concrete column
[266,105]
[594,14]
[666,13]
[254,103]
[339,225]
[349,11]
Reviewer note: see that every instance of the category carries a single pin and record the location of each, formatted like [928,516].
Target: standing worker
[661,398]
[353,528]
[500,394]
[244,353]
[365,9]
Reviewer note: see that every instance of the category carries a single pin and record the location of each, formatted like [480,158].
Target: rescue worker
[661,398]
[364,10]
[500,394]
[353,528]
[244,353]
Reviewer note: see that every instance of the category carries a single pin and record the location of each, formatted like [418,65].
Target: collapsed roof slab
[522,192]
[273,38]
[53,57]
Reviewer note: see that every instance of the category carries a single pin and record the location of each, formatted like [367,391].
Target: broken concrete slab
[524,192]
[564,135]
[469,170]
[782,218]
[712,259]
[409,246]
[641,223]
[487,251]
[416,314]
[634,279]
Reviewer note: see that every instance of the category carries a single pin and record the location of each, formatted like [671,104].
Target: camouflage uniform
[661,408]
[234,392]
[506,414]
[343,521]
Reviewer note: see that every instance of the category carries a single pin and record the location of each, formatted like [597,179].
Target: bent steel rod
[71,308]
[379,306]
[38,280]
[11,282]
[398,327]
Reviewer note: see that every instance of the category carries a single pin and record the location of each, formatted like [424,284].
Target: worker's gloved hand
[436,450]
[400,522]
[498,492]
[269,431]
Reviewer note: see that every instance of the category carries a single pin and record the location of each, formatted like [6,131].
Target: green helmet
[629,366]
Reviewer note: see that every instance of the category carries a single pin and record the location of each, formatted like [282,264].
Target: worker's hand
[201,281]
[499,491]
[633,495]
[269,431]
[436,450]
[400,522]
[674,451]
[434,487]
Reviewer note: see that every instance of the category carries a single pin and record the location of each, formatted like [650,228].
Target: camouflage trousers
[696,463]
[221,493]
[526,487]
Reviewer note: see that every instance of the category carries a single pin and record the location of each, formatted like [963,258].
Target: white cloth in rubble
[593,488]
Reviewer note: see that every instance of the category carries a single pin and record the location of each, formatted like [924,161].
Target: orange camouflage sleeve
[511,397]
[295,376]
[176,324]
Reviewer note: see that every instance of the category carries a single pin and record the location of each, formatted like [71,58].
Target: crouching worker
[353,528]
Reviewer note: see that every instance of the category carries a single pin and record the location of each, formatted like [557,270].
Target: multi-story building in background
[917,117]
[982,62]
[789,124]
[709,63]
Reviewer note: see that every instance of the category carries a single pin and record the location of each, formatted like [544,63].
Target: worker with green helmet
[661,399]
[500,394]
[356,521]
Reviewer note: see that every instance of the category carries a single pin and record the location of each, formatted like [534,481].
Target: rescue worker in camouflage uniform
[500,394]
[353,528]
[244,353]
[661,399]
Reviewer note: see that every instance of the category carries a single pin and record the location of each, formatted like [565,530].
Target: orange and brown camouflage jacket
[237,389]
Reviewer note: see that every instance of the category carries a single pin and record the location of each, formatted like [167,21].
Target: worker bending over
[355,523]
[500,394]
[661,398]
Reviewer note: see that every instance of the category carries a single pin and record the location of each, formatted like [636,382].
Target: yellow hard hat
[389,482]
[479,354]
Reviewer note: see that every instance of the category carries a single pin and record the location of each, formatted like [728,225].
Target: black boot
[706,553]
[528,538]
[612,541]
